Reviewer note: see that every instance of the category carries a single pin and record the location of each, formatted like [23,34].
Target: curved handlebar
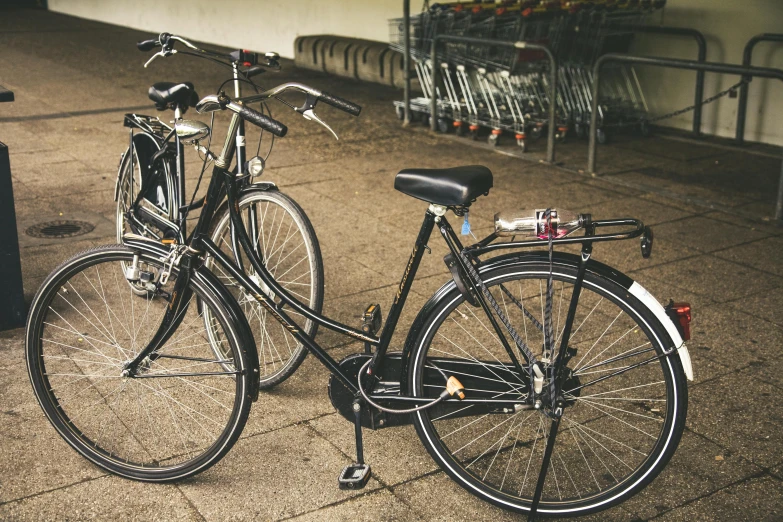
[334,101]
[340,103]
[215,102]
[265,122]
[147,45]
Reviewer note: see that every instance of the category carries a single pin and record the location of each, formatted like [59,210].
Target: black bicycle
[543,382]
[152,198]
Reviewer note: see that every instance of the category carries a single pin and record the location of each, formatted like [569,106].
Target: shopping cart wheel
[400,111]
[459,130]
[602,136]
[521,144]
[474,134]
[536,133]
[493,140]
[443,125]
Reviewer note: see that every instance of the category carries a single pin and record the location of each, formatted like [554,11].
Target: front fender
[226,300]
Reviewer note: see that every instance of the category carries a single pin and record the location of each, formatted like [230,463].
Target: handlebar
[147,45]
[215,102]
[334,101]
[265,122]
[340,103]
[241,57]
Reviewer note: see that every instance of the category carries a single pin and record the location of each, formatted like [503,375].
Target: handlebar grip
[339,103]
[265,122]
[146,45]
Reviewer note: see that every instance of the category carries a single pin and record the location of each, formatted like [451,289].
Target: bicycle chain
[679,111]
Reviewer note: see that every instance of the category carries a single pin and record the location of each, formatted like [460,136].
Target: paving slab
[275,475]
[715,279]
[698,468]
[763,254]
[746,418]
[377,505]
[759,500]
[104,498]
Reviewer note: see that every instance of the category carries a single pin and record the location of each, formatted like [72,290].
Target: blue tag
[466,225]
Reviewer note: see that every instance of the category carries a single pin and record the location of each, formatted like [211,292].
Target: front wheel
[288,247]
[184,408]
[615,434]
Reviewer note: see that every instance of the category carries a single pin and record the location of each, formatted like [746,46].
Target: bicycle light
[680,314]
[255,166]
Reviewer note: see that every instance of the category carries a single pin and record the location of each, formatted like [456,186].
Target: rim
[282,241]
[178,413]
[605,442]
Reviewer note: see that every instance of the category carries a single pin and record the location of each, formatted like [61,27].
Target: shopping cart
[506,90]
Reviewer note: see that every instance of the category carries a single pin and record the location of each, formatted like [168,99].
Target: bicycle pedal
[354,476]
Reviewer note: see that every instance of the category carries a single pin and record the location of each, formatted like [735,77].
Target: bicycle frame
[201,244]
[179,207]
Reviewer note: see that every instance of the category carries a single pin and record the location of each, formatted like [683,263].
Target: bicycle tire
[83,327]
[279,353]
[651,395]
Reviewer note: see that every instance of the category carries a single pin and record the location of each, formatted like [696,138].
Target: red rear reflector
[683,311]
[247,64]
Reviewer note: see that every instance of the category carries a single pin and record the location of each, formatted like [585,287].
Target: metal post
[747,58]
[723,68]
[12,306]
[701,57]
[406,16]
[550,148]
[779,204]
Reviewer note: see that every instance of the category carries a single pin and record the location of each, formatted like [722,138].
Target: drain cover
[60,229]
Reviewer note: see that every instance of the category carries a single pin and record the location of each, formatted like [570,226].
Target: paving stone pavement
[74,79]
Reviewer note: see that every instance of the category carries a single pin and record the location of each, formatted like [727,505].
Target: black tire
[279,353]
[658,400]
[85,323]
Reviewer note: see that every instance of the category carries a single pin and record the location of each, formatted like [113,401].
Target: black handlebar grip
[265,122]
[146,45]
[339,103]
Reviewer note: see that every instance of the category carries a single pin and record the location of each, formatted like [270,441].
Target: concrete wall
[273,25]
[263,25]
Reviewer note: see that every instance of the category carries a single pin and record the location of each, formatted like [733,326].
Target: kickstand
[550,444]
[358,474]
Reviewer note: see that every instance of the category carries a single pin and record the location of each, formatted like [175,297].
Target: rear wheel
[615,435]
[129,185]
[288,247]
[183,410]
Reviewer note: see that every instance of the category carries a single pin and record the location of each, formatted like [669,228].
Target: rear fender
[559,259]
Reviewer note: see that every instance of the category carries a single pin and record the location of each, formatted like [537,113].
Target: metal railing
[701,42]
[747,57]
[740,70]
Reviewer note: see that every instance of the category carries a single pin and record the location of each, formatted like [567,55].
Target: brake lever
[307,111]
[163,53]
[309,114]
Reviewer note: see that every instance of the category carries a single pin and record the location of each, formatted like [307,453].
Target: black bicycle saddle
[170,95]
[449,187]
